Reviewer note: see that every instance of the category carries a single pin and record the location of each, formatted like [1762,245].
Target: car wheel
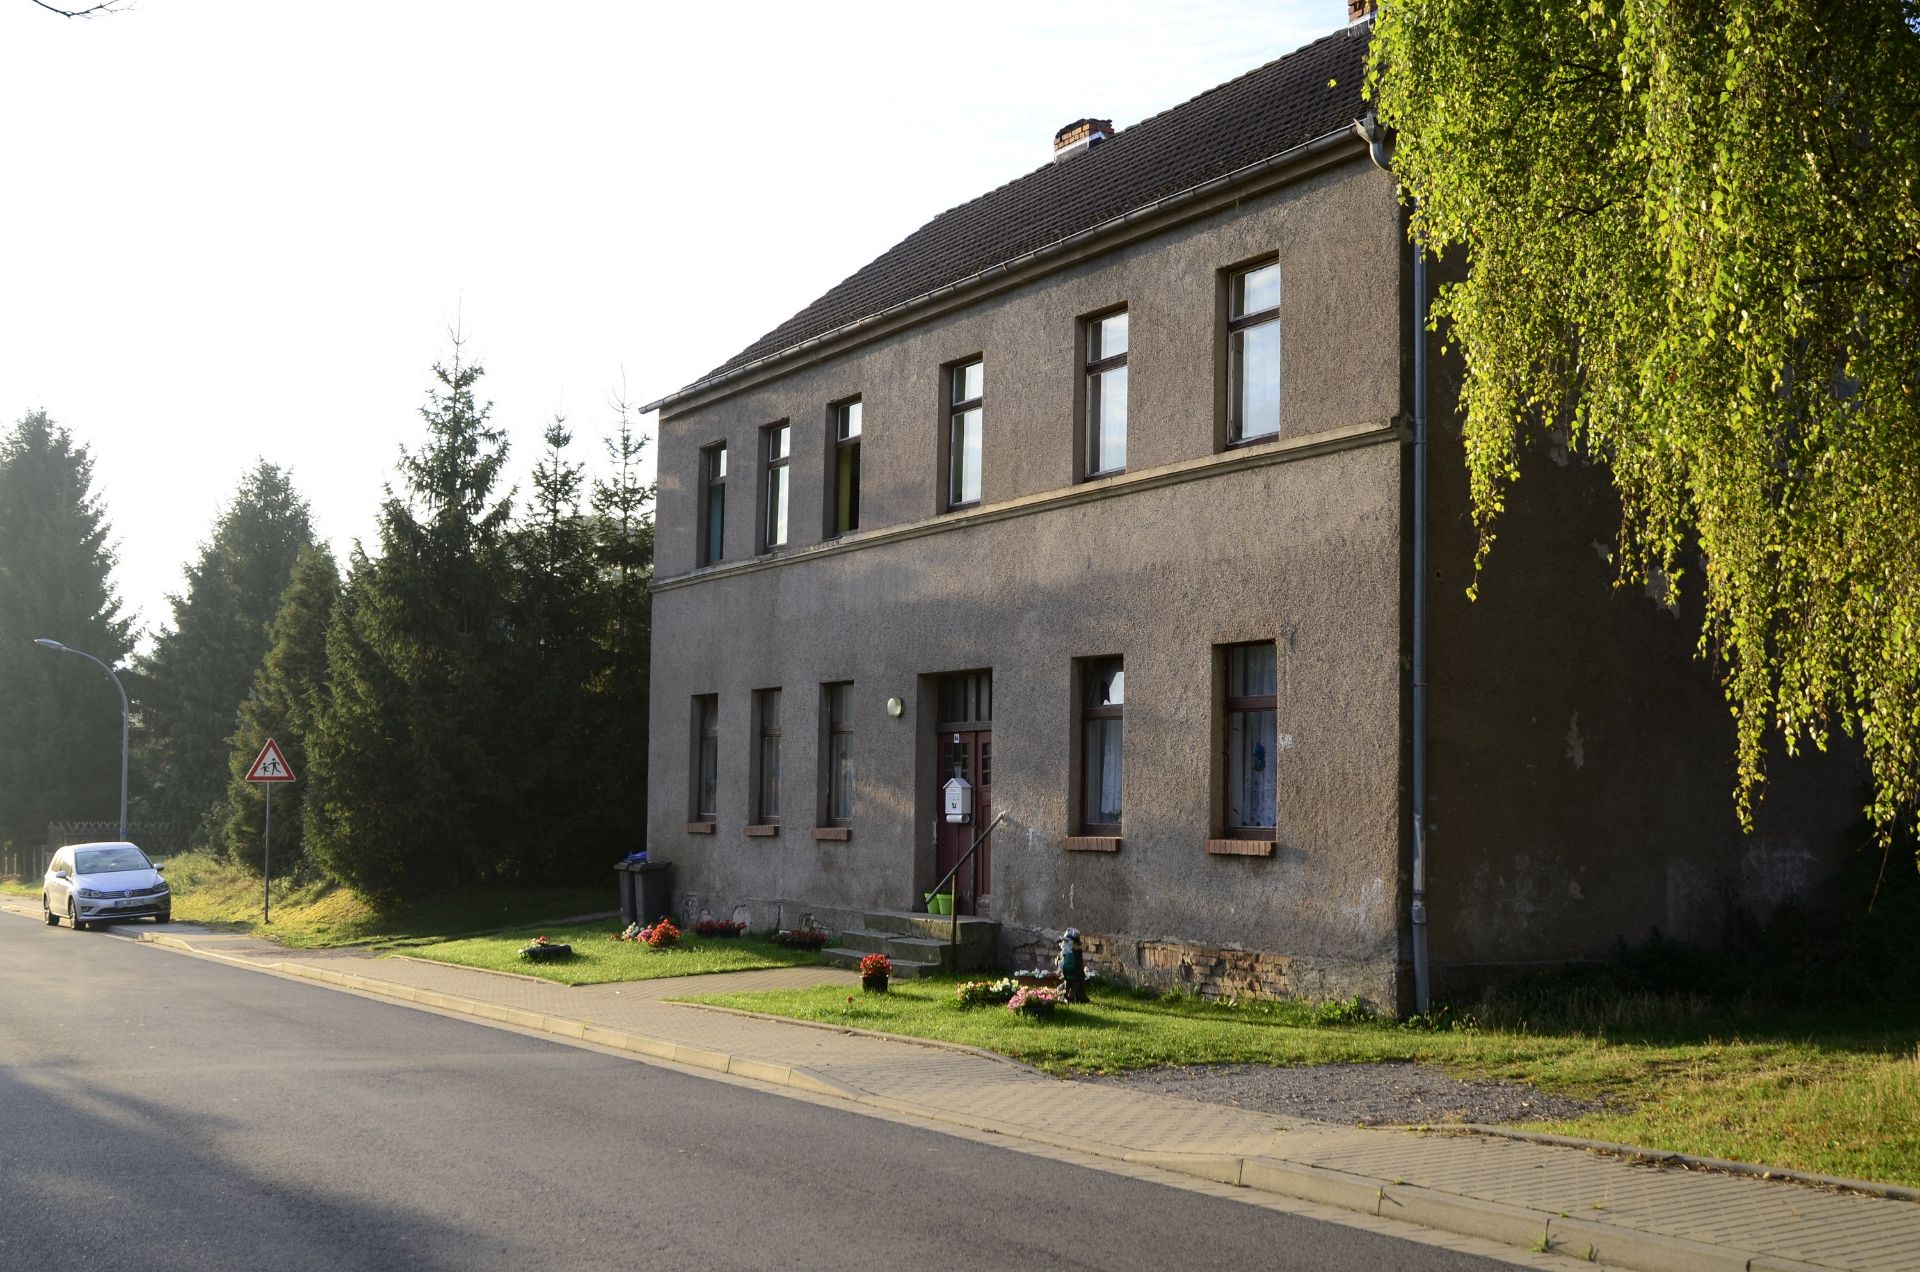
[165,916]
[53,920]
[73,916]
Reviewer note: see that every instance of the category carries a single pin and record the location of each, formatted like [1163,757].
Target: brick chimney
[1361,10]
[1080,136]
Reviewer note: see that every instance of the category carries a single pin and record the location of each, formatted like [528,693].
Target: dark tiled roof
[1308,93]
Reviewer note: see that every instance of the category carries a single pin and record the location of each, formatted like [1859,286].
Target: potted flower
[544,951]
[874,970]
[1037,1002]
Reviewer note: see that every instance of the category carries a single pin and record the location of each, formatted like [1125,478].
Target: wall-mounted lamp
[895,707]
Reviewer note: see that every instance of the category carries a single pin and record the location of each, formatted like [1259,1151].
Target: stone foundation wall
[1213,971]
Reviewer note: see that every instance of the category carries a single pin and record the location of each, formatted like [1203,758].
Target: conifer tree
[415,755]
[623,571]
[59,717]
[201,668]
[555,623]
[286,697]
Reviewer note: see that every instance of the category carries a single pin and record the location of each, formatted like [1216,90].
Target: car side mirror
[61,873]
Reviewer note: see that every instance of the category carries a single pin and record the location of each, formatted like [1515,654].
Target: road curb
[1662,1157]
[1519,1227]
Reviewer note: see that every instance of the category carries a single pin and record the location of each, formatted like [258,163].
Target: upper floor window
[844,487]
[1107,394]
[713,503]
[967,391]
[1253,354]
[1250,709]
[839,758]
[1103,693]
[777,445]
[706,756]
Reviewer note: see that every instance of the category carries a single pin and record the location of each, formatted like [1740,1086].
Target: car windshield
[107,860]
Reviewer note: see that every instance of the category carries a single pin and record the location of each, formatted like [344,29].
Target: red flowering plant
[876,965]
[719,927]
[660,935]
[803,938]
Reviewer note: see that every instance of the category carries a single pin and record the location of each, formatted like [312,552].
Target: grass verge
[20,888]
[314,915]
[1832,1096]
[598,958]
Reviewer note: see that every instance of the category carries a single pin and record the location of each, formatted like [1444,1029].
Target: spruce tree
[201,668]
[285,700]
[623,572]
[555,625]
[59,717]
[416,755]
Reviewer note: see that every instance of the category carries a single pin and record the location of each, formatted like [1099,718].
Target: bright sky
[237,230]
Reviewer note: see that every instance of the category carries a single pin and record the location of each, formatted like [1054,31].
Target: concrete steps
[918,944]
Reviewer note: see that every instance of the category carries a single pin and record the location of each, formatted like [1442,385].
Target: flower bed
[719,927]
[807,938]
[985,993]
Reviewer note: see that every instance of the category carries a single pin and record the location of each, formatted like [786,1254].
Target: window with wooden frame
[705,768]
[776,445]
[843,468]
[766,760]
[966,383]
[837,762]
[713,504]
[1106,371]
[1253,354]
[1249,709]
[1102,696]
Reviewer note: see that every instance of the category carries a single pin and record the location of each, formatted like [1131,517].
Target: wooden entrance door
[964,745]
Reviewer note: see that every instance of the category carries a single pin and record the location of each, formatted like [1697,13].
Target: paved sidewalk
[1587,1205]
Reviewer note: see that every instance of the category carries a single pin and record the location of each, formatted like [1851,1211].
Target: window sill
[768,831]
[1241,443]
[835,834]
[1093,843]
[1241,847]
[700,828]
[968,506]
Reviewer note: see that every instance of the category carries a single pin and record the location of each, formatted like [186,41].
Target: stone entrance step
[919,944]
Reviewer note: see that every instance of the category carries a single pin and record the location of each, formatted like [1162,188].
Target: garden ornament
[1072,967]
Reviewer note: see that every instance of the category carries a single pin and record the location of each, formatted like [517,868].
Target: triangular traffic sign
[271,766]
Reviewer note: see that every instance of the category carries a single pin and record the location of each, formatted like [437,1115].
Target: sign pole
[269,768]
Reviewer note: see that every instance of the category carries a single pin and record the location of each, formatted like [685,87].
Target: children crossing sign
[271,766]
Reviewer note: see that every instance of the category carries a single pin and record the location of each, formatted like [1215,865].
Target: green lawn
[598,958]
[20,887]
[1836,1097]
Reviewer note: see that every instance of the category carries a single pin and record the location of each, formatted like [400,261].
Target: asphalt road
[165,1112]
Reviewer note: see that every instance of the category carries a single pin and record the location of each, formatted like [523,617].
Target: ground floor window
[766,800]
[1103,694]
[706,756]
[1250,711]
[839,756]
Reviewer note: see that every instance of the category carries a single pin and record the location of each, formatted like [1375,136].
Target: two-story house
[1103,493]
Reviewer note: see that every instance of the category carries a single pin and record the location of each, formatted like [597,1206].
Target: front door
[964,745]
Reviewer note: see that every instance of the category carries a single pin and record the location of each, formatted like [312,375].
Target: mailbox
[959,800]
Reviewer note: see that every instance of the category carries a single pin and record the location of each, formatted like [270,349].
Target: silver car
[95,883]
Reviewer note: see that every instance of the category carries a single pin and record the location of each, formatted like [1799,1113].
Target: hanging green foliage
[1692,233]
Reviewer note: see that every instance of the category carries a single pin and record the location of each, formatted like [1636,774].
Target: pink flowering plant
[1035,1000]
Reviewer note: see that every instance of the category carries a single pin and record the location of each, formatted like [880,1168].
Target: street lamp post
[126,718]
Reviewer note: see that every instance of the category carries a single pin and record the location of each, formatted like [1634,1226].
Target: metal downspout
[1418,742]
[1379,150]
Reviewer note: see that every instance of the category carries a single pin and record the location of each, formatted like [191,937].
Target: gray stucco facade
[1566,814]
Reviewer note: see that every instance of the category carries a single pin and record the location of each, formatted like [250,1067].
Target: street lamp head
[44,643]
